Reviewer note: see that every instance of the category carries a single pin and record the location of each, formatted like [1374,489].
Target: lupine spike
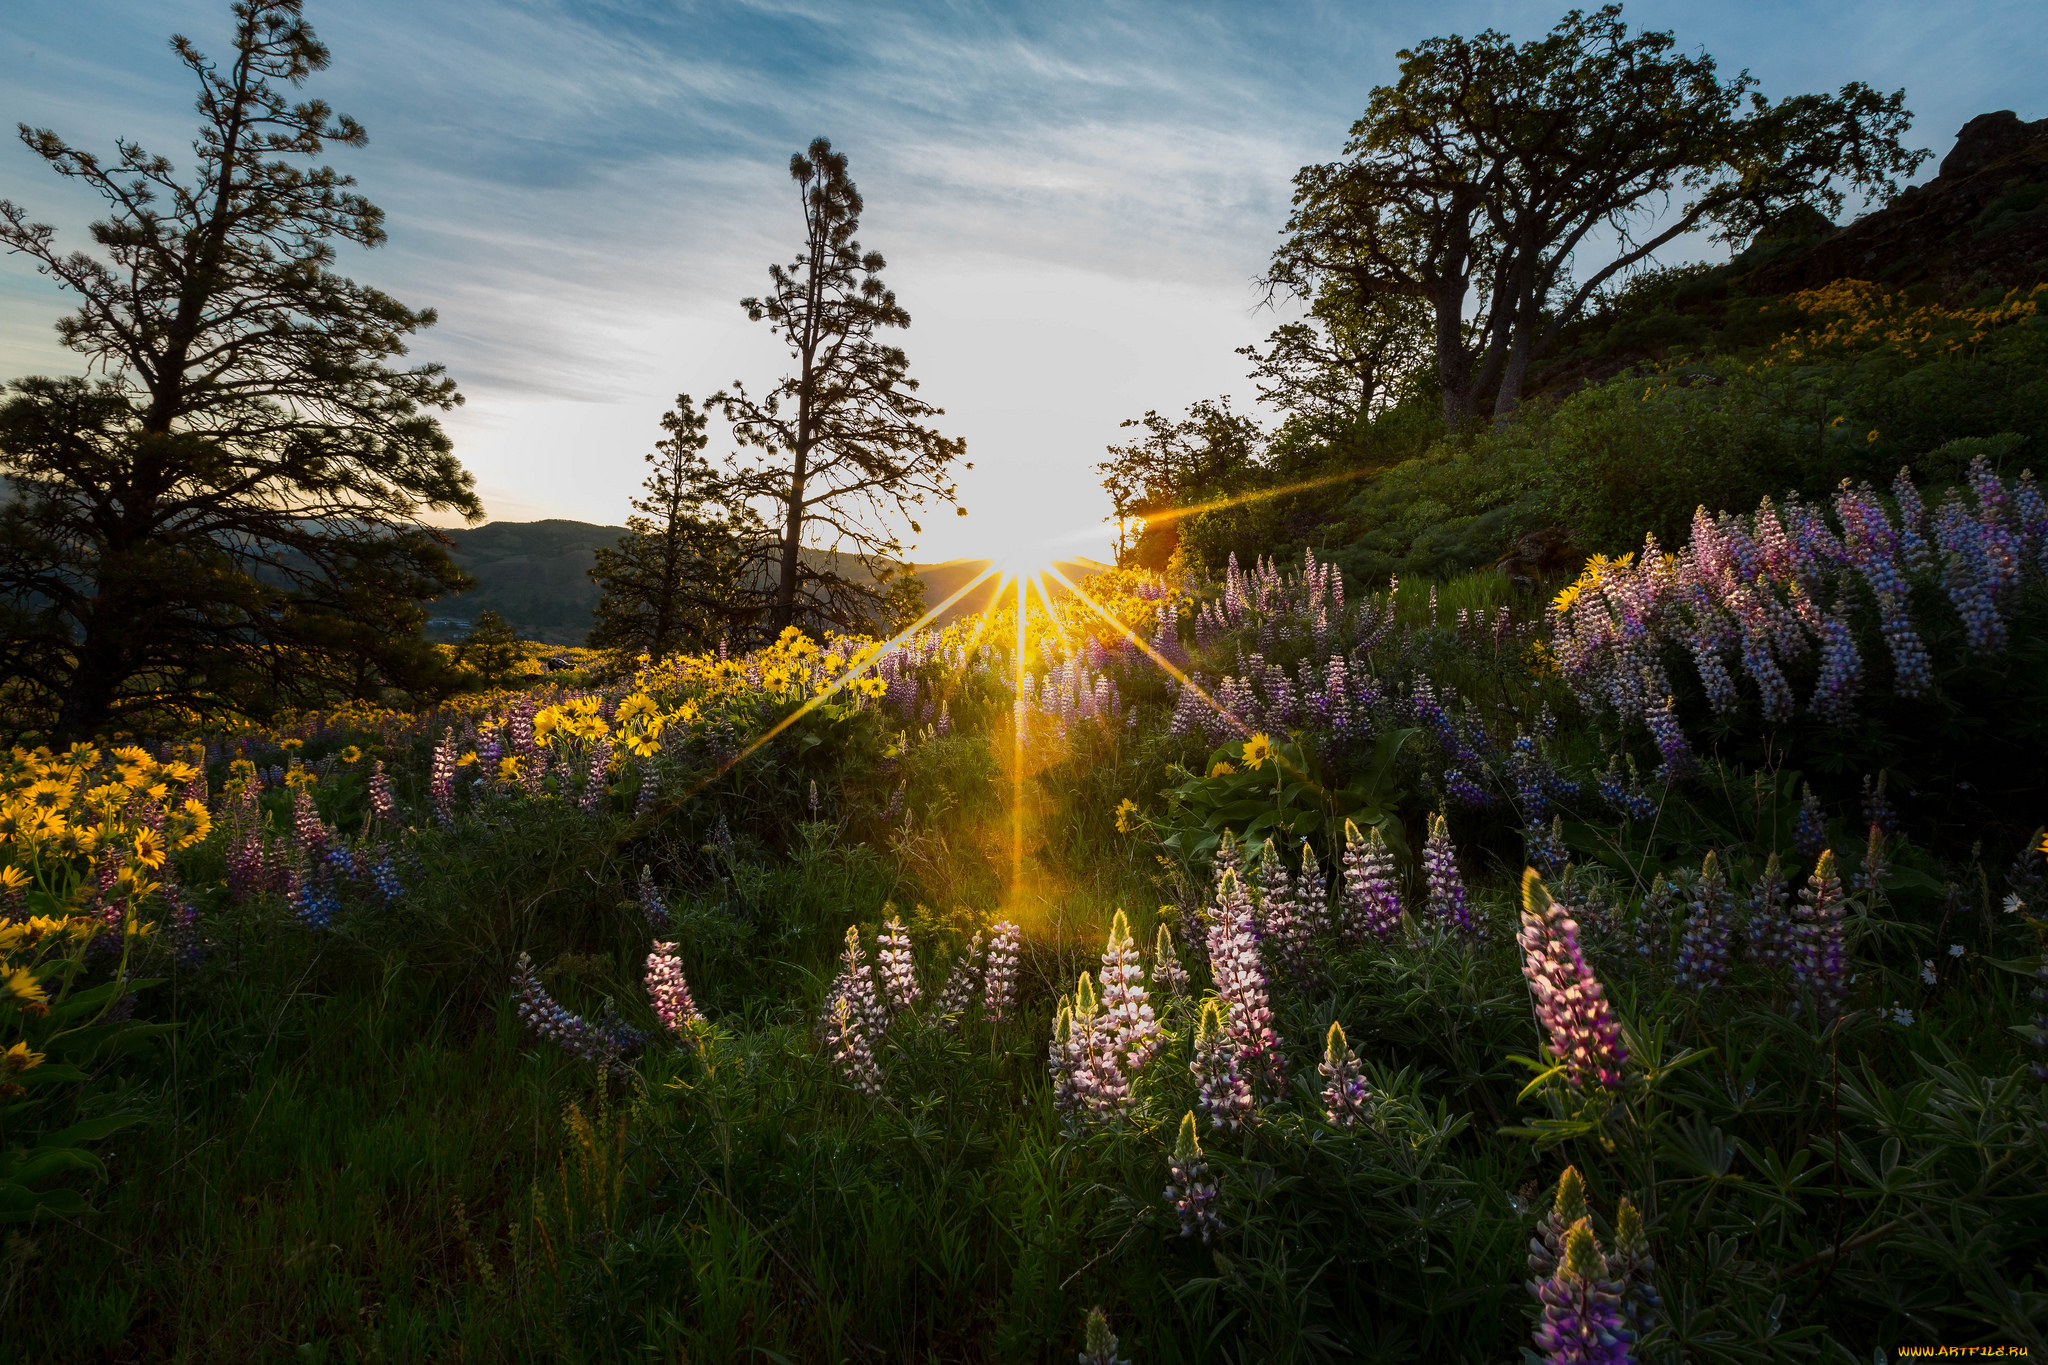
[999,1000]
[1167,972]
[669,992]
[1347,1100]
[1448,902]
[1192,1198]
[1820,965]
[1703,949]
[1241,983]
[1220,1089]
[1570,1003]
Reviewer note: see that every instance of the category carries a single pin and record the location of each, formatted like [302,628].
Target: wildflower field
[1280,969]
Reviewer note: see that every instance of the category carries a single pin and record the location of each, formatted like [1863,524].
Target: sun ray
[812,703]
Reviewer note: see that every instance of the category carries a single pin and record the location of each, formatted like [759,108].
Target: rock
[1537,555]
[1988,138]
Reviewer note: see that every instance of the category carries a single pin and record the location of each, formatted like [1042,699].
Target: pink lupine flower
[999,1000]
[306,827]
[669,992]
[1127,1010]
[1372,902]
[1347,1100]
[1570,1003]
[856,985]
[898,966]
[442,782]
[594,780]
[1241,984]
[382,803]
[1167,972]
[1191,1197]
[963,983]
[851,1053]
[1220,1088]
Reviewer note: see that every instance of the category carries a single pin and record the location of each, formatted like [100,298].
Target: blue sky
[1074,198]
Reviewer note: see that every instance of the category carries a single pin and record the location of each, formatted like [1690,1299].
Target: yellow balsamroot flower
[178,773]
[149,848]
[292,746]
[1872,436]
[131,755]
[642,743]
[299,775]
[17,822]
[1257,751]
[508,767]
[133,886]
[351,754]
[13,879]
[1125,809]
[71,841]
[189,824]
[18,983]
[18,1059]
[1223,768]
[159,791]
[545,721]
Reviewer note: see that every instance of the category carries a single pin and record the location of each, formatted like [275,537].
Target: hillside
[536,574]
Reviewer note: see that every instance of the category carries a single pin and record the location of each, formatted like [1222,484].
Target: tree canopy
[230,515]
[674,580]
[1490,166]
[845,452]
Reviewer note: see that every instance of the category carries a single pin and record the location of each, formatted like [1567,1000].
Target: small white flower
[1955,950]
[2013,904]
[1927,970]
[1903,1018]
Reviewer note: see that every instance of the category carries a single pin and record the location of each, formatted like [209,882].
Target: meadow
[1264,970]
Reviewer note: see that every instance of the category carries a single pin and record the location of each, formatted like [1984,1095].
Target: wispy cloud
[1073,197]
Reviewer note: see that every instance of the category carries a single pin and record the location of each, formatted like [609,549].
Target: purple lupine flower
[1127,1010]
[1241,983]
[1372,902]
[999,1000]
[1545,848]
[1581,1322]
[651,904]
[1841,672]
[1632,1266]
[1448,903]
[852,1054]
[650,789]
[1570,1003]
[1662,718]
[669,992]
[963,983]
[382,803]
[1821,967]
[1810,829]
[1567,1206]
[1285,930]
[897,965]
[1877,867]
[594,781]
[593,1043]
[1912,523]
[1703,947]
[1167,973]
[1221,1090]
[1347,1099]
[1191,1197]
[1312,902]
[1771,940]
[1063,1063]
[1877,807]
[1094,1072]
[1652,926]
[384,876]
[1099,1343]
[1463,790]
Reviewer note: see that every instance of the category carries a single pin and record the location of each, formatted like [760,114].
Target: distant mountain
[536,574]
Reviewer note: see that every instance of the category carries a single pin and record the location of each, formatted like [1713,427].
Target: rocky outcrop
[1982,222]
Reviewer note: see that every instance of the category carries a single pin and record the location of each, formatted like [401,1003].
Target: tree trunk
[792,530]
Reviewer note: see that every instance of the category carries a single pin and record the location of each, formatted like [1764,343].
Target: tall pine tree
[845,452]
[673,580]
[230,516]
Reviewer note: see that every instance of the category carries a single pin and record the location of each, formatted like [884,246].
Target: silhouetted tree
[204,523]
[845,451]
[1211,454]
[1489,165]
[673,582]
[491,649]
[1345,360]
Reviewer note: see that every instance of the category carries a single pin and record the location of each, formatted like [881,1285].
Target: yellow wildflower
[149,848]
[18,1059]
[1124,811]
[1257,750]
[20,984]
[189,824]
[1223,768]
[508,767]
[351,754]
[13,879]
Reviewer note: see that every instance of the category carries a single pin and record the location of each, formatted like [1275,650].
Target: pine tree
[673,581]
[844,449]
[491,649]
[207,523]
